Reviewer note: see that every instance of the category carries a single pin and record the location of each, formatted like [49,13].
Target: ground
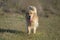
[13,22]
[12,27]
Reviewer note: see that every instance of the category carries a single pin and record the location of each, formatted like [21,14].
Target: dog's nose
[28,17]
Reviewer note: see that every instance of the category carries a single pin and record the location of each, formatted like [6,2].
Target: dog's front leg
[34,30]
[29,29]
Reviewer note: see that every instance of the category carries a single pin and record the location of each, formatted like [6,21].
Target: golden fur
[32,19]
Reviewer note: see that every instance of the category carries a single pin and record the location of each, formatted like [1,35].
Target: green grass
[12,27]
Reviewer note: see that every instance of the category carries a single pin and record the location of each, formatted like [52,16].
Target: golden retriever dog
[32,19]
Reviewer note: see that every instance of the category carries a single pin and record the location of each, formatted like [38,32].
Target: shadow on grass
[11,31]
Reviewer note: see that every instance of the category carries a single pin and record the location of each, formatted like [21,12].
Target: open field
[13,23]
[12,27]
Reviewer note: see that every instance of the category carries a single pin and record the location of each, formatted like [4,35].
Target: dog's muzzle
[29,17]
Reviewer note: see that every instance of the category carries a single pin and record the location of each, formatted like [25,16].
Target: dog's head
[32,11]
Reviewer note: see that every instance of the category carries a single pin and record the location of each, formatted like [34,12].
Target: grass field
[12,27]
[13,23]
